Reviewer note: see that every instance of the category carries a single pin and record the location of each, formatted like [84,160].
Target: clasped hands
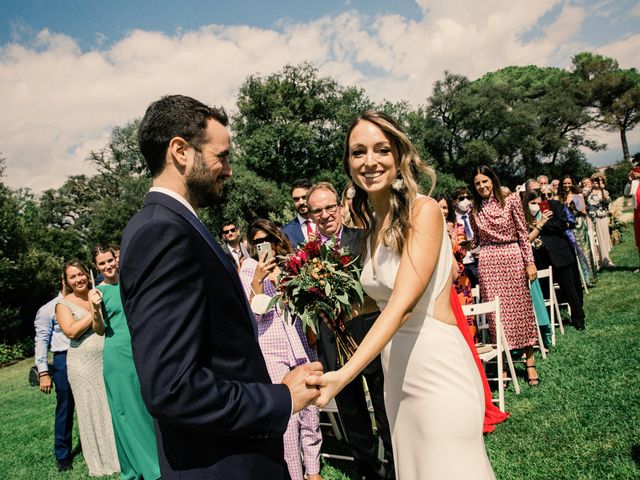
[308,385]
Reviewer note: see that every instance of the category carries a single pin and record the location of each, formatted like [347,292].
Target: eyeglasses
[229,230]
[268,238]
[330,209]
[464,197]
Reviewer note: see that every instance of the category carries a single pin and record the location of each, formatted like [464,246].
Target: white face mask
[534,208]
[464,205]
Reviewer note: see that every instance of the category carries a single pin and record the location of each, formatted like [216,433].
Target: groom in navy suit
[202,375]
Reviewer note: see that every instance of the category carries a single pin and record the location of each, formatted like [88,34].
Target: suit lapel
[227,263]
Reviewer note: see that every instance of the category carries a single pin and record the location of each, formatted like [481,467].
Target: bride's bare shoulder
[426,213]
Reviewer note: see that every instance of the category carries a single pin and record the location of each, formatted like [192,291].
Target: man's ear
[178,147]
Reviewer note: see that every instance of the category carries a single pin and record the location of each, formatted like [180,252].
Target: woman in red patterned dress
[505,262]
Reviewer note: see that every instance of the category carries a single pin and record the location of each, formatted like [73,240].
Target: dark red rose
[344,259]
[312,247]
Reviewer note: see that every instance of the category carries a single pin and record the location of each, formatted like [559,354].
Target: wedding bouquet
[320,280]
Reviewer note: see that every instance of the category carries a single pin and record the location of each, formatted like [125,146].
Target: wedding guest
[598,208]
[543,180]
[505,263]
[586,184]
[634,192]
[462,201]
[575,203]
[232,244]
[132,424]
[551,247]
[326,212]
[301,228]
[461,283]
[555,186]
[49,336]
[461,293]
[348,218]
[284,347]
[433,391]
[75,316]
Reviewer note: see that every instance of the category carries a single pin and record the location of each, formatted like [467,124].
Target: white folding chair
[335,422]
[498,349]
[481,320]
[552,304]
[331,409]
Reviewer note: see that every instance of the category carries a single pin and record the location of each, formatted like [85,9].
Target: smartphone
[544,206]
[265,247]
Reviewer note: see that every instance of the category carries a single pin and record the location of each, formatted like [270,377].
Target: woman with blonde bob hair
[433,391]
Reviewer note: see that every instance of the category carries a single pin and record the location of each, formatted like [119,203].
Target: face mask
[534,208]
[464,205]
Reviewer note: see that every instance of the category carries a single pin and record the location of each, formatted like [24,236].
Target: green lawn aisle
[582,422]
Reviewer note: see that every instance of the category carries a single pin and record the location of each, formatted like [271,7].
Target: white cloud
[64,101]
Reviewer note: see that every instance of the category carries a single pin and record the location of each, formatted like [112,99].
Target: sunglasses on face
[330,209]
[268,238]
[464,197]
[229,230]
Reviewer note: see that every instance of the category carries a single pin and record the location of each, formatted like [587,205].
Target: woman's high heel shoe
[532,381]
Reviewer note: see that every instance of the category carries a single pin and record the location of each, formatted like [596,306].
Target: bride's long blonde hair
[405,188]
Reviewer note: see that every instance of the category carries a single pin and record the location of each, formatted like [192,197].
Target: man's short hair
[457,192]
[323,186]
[542,176]
[228,222]
[528,183]
[174,116]
[300,184]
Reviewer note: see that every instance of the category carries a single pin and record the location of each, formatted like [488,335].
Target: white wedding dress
[433,392]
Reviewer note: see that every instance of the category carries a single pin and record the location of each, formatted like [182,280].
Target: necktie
[238,256]
[309,229]
[468,233]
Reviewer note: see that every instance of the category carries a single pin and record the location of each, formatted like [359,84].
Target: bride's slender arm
[417,265]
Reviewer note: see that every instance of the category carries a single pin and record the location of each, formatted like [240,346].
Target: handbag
[34,376]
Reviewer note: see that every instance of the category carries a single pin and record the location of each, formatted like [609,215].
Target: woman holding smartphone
[283,345]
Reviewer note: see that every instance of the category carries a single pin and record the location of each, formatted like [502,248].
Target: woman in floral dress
[505,263]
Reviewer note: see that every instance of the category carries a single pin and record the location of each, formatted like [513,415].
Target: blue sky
[71,70]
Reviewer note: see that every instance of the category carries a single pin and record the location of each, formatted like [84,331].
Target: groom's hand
[302,395]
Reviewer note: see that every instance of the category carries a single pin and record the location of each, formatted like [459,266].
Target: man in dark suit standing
[232,243]
[326,211]
[302,227]
[195,348]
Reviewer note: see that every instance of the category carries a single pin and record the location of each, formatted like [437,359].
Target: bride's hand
[330,385]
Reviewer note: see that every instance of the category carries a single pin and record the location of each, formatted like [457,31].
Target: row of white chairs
[500,349]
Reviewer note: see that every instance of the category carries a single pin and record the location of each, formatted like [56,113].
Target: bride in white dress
[433,392]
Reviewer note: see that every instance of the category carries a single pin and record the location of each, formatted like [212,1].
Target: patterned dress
[284,347]
[84,368]
[583,248]
[462,284]
[505,251]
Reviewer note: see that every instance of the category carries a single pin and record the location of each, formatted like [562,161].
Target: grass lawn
[582,422]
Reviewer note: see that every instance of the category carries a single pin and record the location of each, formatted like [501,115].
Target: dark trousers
[354,414]
[471,270]
[568,278]
[64,407]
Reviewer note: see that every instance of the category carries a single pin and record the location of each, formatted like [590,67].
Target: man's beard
[201,184]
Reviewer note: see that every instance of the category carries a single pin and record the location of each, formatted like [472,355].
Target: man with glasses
[232,245]
[326,211]
[462,202]
[301,228]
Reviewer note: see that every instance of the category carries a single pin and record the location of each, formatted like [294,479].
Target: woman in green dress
[132,423]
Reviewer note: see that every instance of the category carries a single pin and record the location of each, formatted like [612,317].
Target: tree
[290,125]
[614,94]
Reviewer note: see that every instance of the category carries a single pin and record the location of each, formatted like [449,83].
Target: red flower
[344,259]
[302,256]
[294,264]
[312,247]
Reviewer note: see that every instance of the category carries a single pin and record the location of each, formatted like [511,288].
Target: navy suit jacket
[194,339]
[293,231]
